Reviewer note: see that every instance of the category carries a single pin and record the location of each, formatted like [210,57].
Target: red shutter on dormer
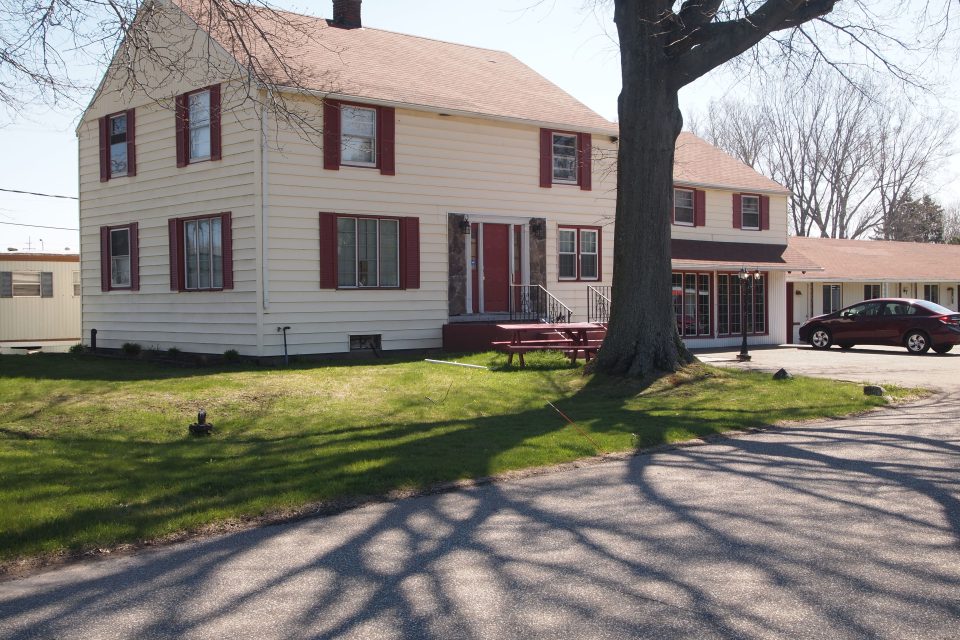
[176,253]
[328,251]
[764,213]
[104,135]
[546,158]
[131,142]
[215,146]
[331,135]
[181,114]
[134,256]
[104,258]
[386,140]
[410,253]
[699,208]
[585,149]
[737,211]
[226,233]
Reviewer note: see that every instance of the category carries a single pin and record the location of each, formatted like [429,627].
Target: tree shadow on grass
[846,530]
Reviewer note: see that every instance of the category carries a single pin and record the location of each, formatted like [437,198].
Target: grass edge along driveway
[95,453]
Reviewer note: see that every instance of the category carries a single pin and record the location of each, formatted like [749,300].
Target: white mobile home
[39,301]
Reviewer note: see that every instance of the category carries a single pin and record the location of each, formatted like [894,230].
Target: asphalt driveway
[839,529]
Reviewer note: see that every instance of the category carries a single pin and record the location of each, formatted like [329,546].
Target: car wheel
[917,342]
[846,345]
[943,348]
[820,339]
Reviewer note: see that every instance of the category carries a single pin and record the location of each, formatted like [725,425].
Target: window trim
[106,173]
[584,146]
[757,197]
[384,143]
[77,282]
[578,261]
[182,117]
[693,207]
[711,295]
[765,276]
[106,257]
[177,240]
[357,287]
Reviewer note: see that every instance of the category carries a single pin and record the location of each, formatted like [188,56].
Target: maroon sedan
[917,325]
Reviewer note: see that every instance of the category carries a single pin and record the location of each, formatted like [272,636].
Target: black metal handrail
[598,304]
[534,303]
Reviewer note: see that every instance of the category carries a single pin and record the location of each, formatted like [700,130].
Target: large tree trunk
[642,337]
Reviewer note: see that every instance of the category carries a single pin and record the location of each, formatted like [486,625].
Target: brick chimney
[346,14]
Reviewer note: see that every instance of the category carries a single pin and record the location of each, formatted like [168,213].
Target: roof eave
[782,191]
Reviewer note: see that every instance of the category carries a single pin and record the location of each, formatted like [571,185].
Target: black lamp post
[745,286]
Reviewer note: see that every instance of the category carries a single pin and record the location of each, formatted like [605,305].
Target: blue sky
[572,46]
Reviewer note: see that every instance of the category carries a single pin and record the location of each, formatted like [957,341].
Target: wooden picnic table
[569,337]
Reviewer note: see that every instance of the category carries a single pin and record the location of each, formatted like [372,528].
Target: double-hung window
[931,293]
[120,258]
[198,126]
[201,253]
[871,291]
[565,158]
[750,210]
[358,136]
[119,255]
[368,252]
[578,253]
[683,207]
[117,151]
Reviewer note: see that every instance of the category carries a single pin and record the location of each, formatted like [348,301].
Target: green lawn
[96,452]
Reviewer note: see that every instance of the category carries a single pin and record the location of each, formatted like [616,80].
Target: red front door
[496,267]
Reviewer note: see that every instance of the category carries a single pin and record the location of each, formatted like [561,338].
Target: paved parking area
[879,365]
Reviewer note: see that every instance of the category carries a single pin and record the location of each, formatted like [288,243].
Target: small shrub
[231,355]
[173,352]
[131,349]
[77,348]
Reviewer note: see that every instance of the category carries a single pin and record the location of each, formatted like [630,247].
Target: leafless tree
[848,151]
[951,223]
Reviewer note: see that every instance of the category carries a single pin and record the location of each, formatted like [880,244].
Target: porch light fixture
[746,278]
[465,226]
[538,227]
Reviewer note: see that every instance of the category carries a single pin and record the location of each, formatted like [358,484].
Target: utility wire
[39,226]
[43,195]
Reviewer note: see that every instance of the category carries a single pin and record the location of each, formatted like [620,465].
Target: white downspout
[265,203]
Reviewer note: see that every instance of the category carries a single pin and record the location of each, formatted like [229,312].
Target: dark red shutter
[176,252]
[699,208]
[386,140]
[764,212]
[215,153]
[104,135]
[104,258]
[134,257]
[546,158]
[181,114]
[737,211]
[226,232]
[131,142]
[586,161]
[410,252]
[331,135]
[328,251]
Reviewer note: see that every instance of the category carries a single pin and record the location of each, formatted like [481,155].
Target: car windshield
[933,307]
